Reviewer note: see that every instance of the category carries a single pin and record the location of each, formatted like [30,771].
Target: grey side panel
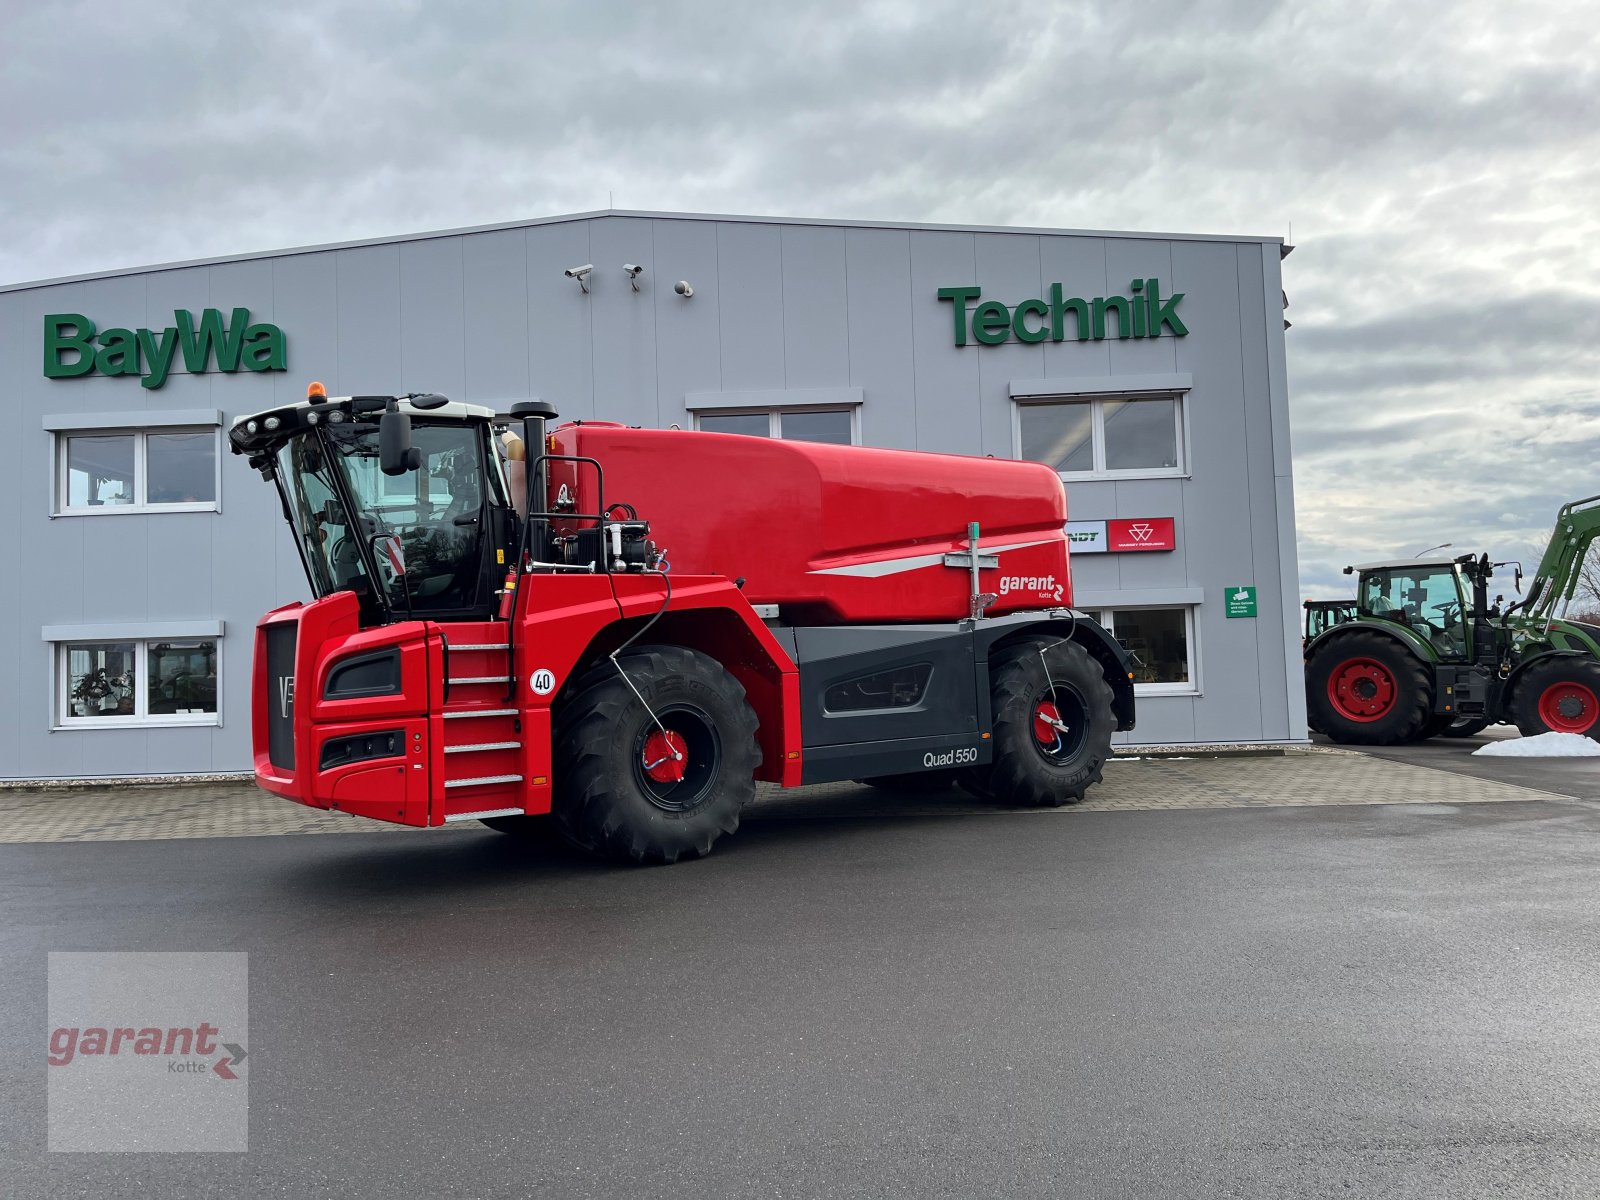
[828,656]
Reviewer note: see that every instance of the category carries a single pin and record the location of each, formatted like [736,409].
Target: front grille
[279,698]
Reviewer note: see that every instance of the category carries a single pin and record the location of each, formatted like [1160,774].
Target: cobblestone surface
[1290,779]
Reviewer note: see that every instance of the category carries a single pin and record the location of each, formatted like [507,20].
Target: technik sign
[1144,314]
[1125,536]
[73,348]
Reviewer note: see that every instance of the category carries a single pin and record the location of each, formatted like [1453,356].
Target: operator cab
[1430,597]
[399,499]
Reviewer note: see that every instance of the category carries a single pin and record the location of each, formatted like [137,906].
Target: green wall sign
[73,348]
[1240,601]
[1143,314]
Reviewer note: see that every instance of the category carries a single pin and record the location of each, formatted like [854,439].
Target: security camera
[578,272]
[683,289]
[633,270]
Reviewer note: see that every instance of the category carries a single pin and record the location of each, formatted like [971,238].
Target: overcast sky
[1437,165]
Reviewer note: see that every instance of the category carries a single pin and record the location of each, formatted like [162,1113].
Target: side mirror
[395,454]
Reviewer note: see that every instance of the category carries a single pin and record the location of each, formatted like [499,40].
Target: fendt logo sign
[1141,314]
[1122,536]
[73,348]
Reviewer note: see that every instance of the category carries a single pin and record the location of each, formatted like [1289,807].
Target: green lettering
[1138,308]
[158,353]
[959,297]
[991,322]
[1059,309]
[119,353]
[1118,304]
[211,339]
[1162,313]
[58,342]
[264,349]
[1020,327]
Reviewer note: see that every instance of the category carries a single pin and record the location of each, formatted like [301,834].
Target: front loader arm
[1555,581]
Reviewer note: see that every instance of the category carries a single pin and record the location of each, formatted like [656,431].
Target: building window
[169,681]
[836,426]
[1162,643]
[1104,437]
[164,470]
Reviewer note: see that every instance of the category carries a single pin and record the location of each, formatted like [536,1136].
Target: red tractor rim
[1362,689]
[1044,731]
[1568,708]
[666,756]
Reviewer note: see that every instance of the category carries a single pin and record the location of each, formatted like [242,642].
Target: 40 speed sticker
[951,758]
[542,681]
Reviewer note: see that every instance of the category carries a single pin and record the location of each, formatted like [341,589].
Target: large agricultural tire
[1436,726]
[1052,718]
[1367,689]
[629,791]
[1558,695]
[916,781]
[1465,727]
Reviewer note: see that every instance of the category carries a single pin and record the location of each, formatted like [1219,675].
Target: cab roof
[1407,564]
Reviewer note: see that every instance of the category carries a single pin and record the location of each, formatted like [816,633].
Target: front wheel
[657,766]
[1052,725]
[1558,695]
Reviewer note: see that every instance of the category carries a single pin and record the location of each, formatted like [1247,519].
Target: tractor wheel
[1465,727]
[1559,695]
[1367,689]
[659,783]
[917,781]
[1436,726]
[1052,725]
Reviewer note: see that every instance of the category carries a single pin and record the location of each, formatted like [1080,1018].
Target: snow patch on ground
[1544,745]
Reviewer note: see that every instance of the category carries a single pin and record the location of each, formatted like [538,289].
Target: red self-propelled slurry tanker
[618,631]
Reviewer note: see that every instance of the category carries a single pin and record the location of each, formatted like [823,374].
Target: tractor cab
[1432,598]
[401,500]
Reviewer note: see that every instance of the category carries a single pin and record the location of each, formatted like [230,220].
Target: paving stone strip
[1296,778]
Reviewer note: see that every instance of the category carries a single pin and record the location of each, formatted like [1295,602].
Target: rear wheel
[1466,727]
[657,780]
[1052,725]
[1367,689]
[1558,695]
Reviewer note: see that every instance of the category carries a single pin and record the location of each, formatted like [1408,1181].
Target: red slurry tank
[833,534]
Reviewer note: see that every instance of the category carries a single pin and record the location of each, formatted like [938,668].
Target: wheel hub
[1047,725]
[1361,689]
[1568,708]
[666,758]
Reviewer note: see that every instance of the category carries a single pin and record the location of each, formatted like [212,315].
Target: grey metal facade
[783,312]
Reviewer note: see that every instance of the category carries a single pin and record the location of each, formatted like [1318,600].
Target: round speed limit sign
[543,682]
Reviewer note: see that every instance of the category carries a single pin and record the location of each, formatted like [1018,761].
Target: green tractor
[1424,652]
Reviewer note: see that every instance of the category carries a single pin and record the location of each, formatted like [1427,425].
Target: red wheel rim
[666,758]
[1361,689]
[1568,708]
[1043,730]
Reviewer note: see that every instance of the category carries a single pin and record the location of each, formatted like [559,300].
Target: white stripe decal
[896,566]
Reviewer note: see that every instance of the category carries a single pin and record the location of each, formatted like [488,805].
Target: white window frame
[1097,418]
[775,414]
[1107,620]
[140,718]
[61,485]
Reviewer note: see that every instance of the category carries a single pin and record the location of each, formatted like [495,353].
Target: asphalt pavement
[1575,777]
[1394,1000]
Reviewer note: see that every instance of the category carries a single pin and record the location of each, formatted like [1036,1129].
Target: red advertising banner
[1141,533]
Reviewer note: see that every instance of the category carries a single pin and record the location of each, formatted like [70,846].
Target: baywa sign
[1144,314]
[73,348]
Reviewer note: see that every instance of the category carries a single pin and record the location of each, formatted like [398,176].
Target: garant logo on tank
[1046,587]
